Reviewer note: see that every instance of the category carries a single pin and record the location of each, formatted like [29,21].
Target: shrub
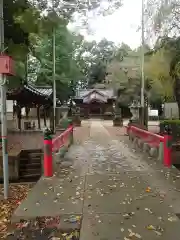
[174,125]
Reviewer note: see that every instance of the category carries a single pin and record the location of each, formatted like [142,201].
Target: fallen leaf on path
[158,233]
[17,192]
[138,235]
[148,210]
[148,189]
[151,227]
[132,234]
[173,219]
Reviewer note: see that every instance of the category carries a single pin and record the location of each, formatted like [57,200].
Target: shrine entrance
[95,108]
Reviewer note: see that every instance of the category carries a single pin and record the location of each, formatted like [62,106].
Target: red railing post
[71,134]
[167,147]
[48,159]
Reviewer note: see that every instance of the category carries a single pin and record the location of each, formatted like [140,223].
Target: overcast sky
[119,27]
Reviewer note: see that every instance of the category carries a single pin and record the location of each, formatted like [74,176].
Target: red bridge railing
[154,140]
[147,136]
[63,139]
[54,145]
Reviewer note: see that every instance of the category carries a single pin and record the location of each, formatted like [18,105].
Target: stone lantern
[64,109]
[61,115]
[134,109]
[117,121]
[72,107]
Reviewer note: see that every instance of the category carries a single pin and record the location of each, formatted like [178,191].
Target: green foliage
[121,71]
[163,21]
[173,126]
[28,38]
[97,73]
[164,63]
[13,31]
[157,68]
[78,62]
[94,59]
[163,16]
[67,70]
[66,8]
[173,121]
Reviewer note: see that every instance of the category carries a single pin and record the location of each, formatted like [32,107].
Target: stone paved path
[110,186]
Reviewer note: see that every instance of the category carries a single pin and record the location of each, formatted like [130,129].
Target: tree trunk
[177,92]
[178,103]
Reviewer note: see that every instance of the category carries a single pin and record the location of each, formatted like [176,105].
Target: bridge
[103,189]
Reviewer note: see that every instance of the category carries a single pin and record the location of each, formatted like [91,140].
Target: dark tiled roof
[39,90]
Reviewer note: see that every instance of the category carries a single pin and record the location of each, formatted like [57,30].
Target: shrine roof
[108,93]
[41,90]
[38,90]
[28,93]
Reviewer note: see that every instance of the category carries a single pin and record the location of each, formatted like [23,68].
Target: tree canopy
[164,59]
[28,34]
[28,38]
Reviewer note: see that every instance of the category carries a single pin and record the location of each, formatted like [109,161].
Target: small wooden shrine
[95,102]
[32,105]
[28,96]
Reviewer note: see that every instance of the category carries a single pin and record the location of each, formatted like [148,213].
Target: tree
[67,70]
[93,58]
[97,73]
[164,17]
[157,68]
[124,74]
[173,46]
[24,39]
[20,36]
[16,39]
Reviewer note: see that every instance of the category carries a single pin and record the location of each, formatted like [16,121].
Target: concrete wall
[13,168]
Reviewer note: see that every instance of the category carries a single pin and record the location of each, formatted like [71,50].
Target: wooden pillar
[86,110]
[38,117]
[27,110]
[19,116]
[57,118]
[14,109]
[51,116]
[44,110]
[104,108]
[101,108]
